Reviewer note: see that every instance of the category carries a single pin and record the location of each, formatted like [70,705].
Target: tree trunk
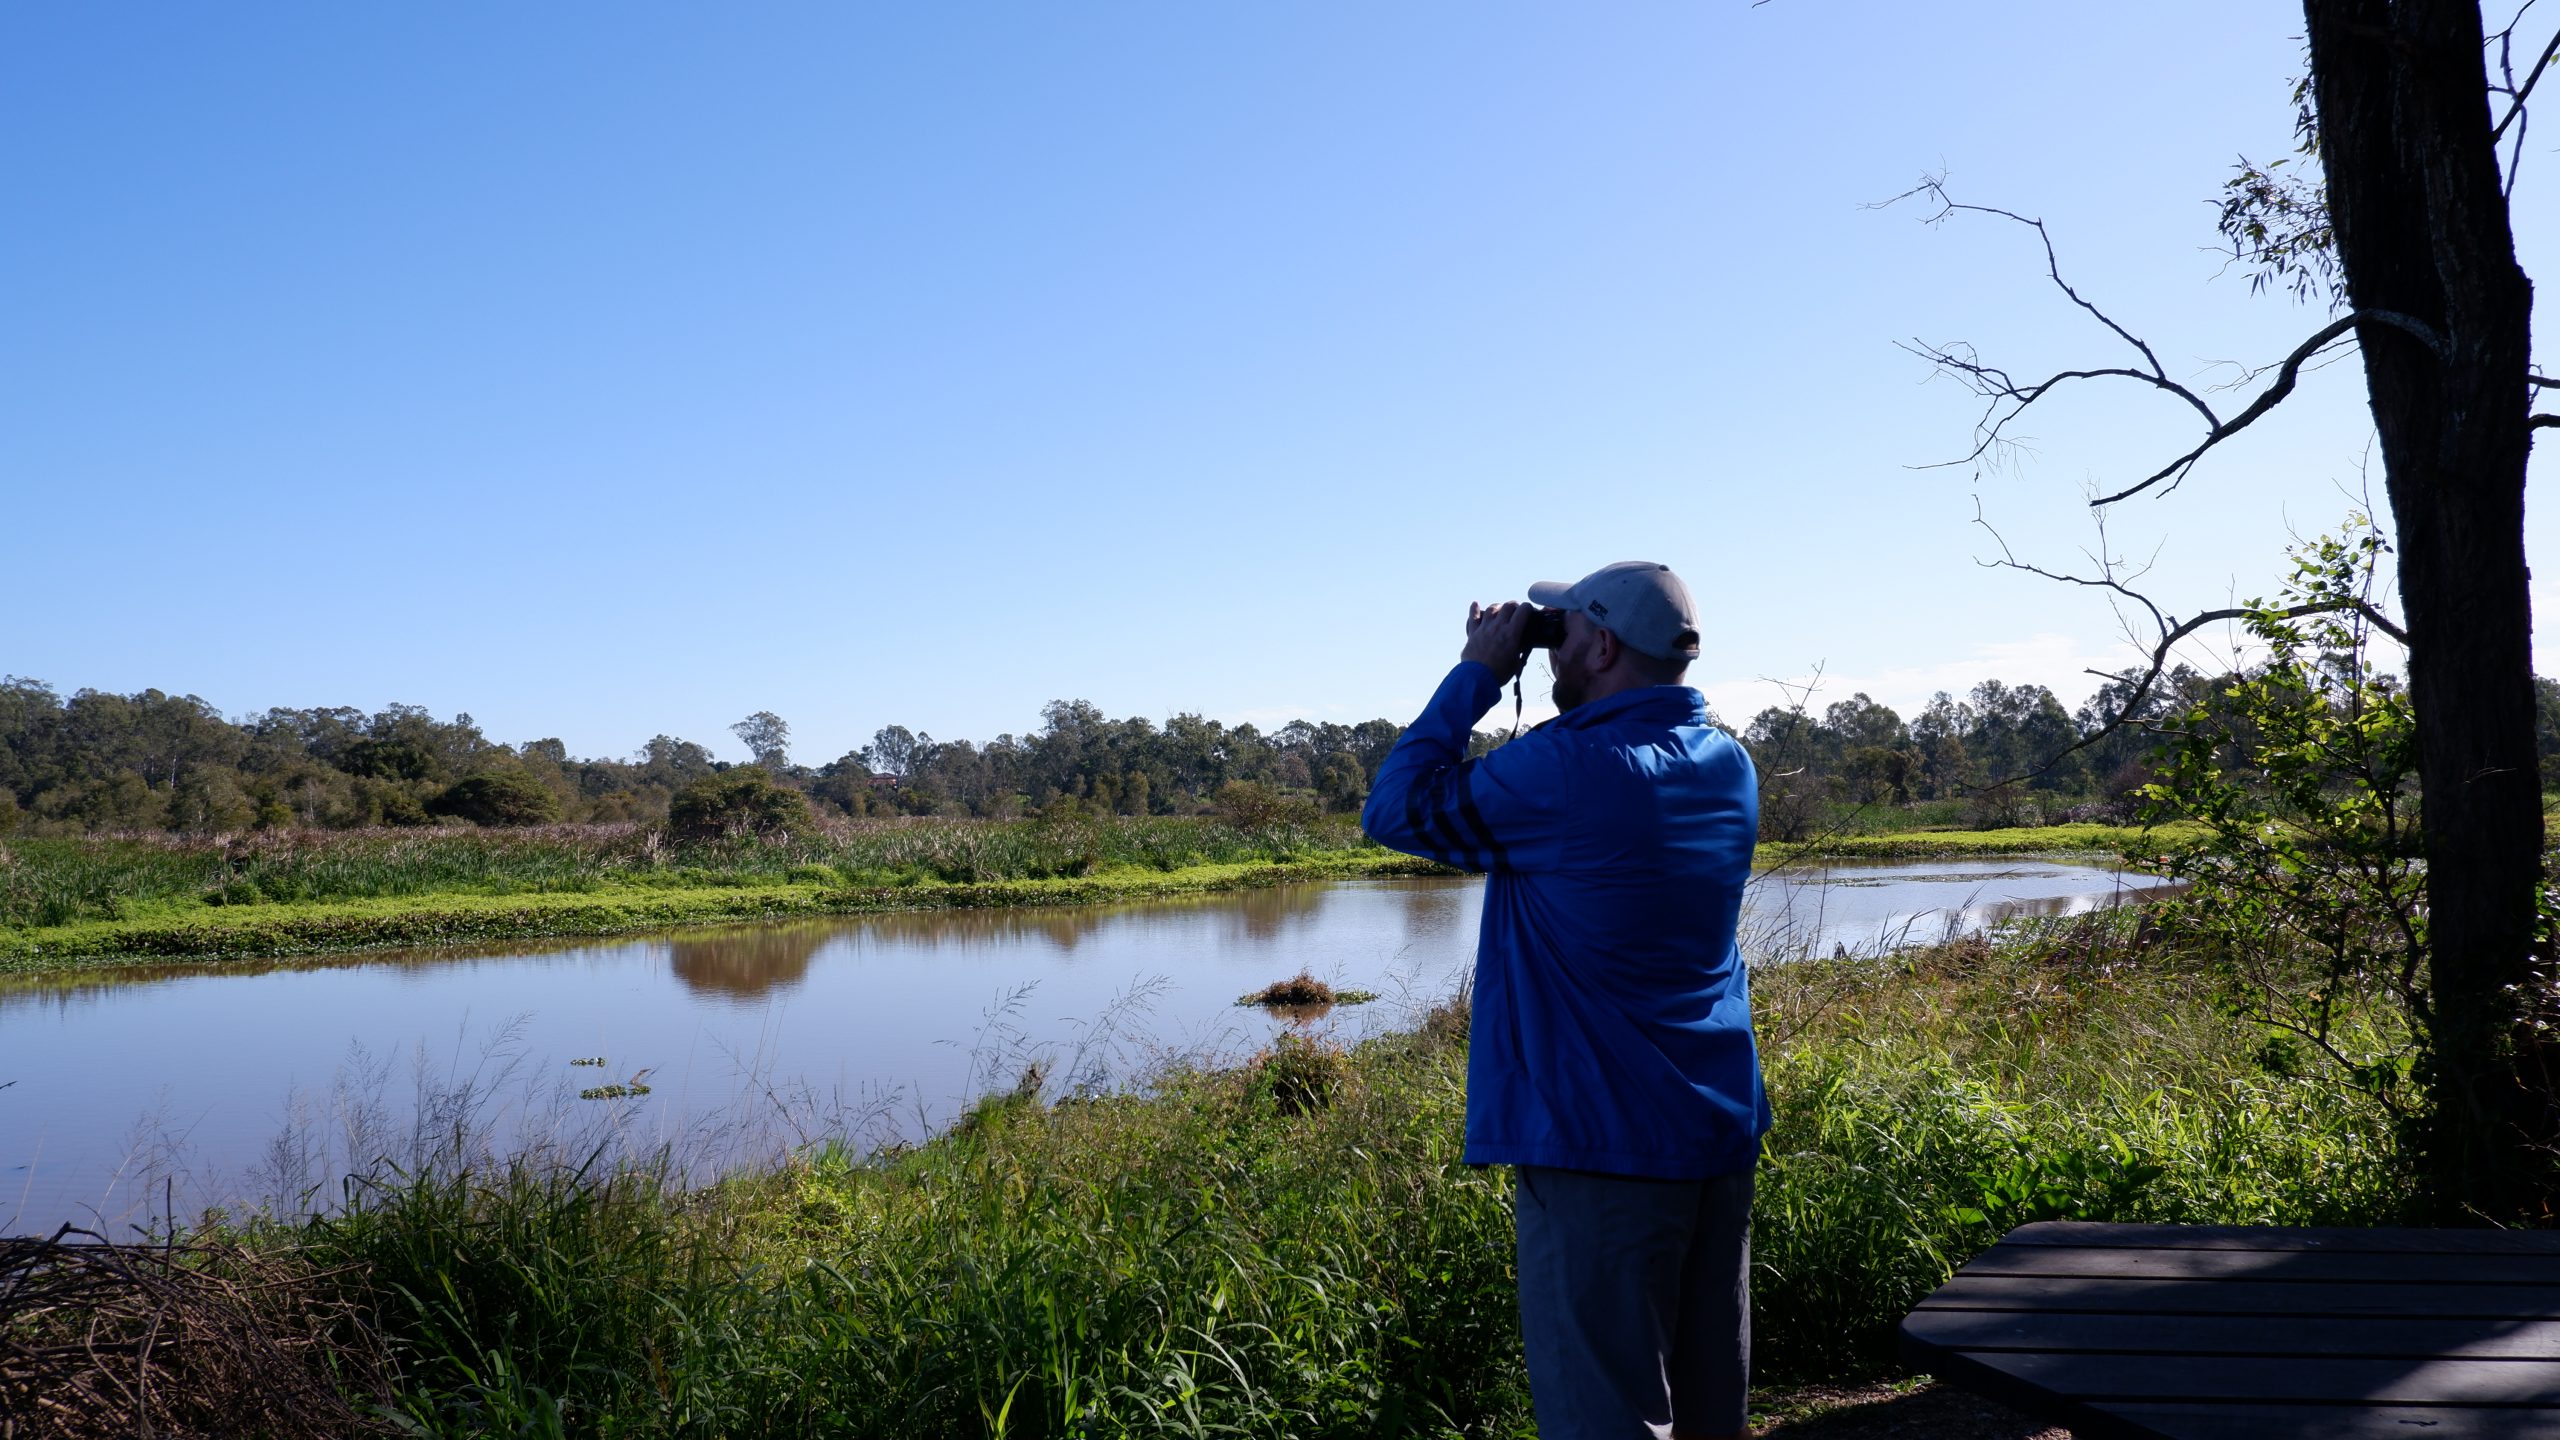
[2422,233]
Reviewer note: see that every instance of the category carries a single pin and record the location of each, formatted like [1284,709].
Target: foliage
[1343,786]
[498,797]
[2303,860]
[1251,805]
[737,802]
[767,737]
[2275,216]
[99,762]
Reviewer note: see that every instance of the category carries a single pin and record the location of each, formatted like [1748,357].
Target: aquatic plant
[1304,989]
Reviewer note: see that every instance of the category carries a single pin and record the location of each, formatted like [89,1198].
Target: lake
[125,1093]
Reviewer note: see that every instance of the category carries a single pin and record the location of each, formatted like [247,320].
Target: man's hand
[1497,638]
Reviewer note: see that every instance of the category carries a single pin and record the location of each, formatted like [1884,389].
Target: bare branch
[2287,374]
[2515,162]
[1934,188]
[2543,422]
[2521,92]
[2105,580]
[2007,398]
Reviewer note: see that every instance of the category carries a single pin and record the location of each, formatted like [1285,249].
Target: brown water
[125,1093]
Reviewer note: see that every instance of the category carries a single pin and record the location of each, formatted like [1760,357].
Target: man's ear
[1605,648]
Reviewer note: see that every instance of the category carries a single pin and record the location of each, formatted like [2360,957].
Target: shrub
[742,800]
[1303,1071]
[1249,805]
[498,797]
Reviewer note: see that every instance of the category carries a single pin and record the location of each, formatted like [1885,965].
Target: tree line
[97,761]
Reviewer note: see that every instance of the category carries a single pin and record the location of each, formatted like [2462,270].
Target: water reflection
[1868,908]
[750,961]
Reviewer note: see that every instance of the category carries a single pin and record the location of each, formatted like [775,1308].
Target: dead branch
[2006,398]
[2517,94]
[101,1339]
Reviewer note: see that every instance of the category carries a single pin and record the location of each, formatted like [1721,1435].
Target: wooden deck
[2245,1333]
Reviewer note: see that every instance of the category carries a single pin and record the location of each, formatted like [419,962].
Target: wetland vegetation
[1291,1246]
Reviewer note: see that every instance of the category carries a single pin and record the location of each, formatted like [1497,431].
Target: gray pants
[1635,1303]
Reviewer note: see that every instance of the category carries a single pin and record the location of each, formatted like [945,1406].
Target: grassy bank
[2129,841]
[1293,1248]
[88,902]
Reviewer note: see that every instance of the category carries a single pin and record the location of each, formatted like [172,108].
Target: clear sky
[613,369]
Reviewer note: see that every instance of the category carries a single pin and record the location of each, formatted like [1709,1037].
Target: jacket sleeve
[1501,811]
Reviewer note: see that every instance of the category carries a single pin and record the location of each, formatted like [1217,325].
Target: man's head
[1627,626]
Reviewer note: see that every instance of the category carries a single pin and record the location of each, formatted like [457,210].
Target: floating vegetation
[1305,989]
[630,1089]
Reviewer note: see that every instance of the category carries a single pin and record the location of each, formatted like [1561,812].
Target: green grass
[2131,841]
[1293,1248]
[85,901]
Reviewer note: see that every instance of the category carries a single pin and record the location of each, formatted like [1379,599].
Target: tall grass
[45,882]
[1240,1253]
[1210,1259]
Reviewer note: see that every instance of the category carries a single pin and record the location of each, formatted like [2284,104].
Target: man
[1610,1057]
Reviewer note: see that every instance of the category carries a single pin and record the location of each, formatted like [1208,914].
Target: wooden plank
[2243,1297]
[1967,1372]
[2334,1422]
[2105,1379]
[2274,1237]
[2292,1267]
[2136,1332]
[2391,1337]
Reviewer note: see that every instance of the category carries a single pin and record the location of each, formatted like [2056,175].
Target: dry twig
[100,1339]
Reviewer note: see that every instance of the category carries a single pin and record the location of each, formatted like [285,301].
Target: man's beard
[1569,687]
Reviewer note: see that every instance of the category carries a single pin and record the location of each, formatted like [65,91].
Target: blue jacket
[1612,1027]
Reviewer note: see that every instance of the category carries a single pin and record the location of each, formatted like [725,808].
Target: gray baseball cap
[1638,601]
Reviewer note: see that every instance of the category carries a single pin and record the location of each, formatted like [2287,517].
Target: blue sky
[608,370]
